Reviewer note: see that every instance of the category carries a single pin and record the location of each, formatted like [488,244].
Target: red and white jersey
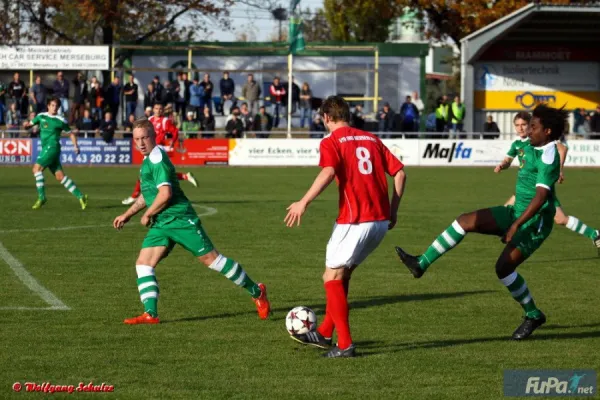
[162,126]
[360,160]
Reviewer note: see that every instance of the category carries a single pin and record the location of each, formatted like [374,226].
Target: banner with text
[93,152]
[195,152]
[54,57]
[17,151]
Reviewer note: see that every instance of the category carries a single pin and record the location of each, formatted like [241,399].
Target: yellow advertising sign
[527,100]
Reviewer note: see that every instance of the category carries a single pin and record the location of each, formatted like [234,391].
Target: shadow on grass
[280,312]
[564,260]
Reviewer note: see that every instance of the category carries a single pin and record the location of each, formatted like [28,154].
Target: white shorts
[350,244]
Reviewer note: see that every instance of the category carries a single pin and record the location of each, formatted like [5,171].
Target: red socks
[181,176]
[136,191]
[336,313]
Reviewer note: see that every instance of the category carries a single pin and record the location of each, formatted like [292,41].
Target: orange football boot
[262,303]
[145,318]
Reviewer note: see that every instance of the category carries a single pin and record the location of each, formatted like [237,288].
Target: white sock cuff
[38,174]
[459,229]
[219,263]
[144,270]
[508,280]
[64,179]
[572,223]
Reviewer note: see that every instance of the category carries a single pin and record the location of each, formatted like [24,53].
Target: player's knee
[208,258]
[503,268]
[466,221]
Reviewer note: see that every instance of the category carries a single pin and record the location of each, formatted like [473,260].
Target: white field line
[29,281]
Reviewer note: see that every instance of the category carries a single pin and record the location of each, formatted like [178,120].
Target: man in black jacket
[131,96]
[595,123]
[227,87]
[80,93]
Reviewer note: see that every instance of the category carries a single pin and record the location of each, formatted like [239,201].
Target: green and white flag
[295,37]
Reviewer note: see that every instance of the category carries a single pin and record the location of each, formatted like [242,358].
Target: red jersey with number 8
[361,161]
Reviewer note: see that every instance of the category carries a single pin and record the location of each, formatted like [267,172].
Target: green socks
[148,288]
[517,287]
[449,239]
[236,274]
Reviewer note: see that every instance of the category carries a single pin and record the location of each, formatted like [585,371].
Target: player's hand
[498,169]
[120,221]
[294,214]
[508,236]
[146,220]
[561,177]
[393,221]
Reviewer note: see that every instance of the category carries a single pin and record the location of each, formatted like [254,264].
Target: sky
[258,23]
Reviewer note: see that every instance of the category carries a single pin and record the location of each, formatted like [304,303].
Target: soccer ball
[300,320]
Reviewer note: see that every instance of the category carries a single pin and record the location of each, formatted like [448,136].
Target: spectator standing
[295,96]
[441,114]
[34,131]
[107,128]
[317,127]
[131,96]
[38,94]
[96,98]
[416,100]
[13,120]
[179,93]
[169,95]
[386,120]
[251,92]
[208,122]
[277,91]
[17,91]
[305,104]
[409,115]
[595,122]
[113,98]
[458,115]
[2,102]
[86,124]
[61,91]
[490,127]
[80,94]
[158,89]
[580,122]
[196,94]
[208,87]
[235,126]
[150,98]
[186,93]
[357,120]
[227,87]
[191,124]
[263,122]
[578,118]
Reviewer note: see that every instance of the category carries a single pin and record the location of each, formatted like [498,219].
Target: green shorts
[531,235]
[187,233]
[50,158]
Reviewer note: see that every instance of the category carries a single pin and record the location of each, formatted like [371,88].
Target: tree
[360,20]
[315,26]
[456,19]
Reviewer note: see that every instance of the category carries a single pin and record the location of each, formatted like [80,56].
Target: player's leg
[510,201]
[68,183]
[191,235]
[38,173]
[574,224]
[487,221]
[136,193]
[155,247]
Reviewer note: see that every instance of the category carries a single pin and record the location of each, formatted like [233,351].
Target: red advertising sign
[195,152]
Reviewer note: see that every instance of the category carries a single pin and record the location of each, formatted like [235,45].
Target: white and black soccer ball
[300,320]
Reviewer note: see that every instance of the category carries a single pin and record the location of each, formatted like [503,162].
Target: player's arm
[135,208]
[504,164]
[34,121]
[399,184]
[72,135]
[160,203]
[298,208]
[562,152]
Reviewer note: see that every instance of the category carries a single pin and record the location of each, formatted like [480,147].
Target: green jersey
[540,166]
[51,126]
[516,149]
[157,170]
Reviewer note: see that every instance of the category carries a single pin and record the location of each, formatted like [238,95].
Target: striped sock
[520,292]
[70,186]
[40,186]
[449,239]
[236,274]
[148,287]
[577,226]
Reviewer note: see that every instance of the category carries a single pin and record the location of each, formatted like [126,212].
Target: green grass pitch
[444,336]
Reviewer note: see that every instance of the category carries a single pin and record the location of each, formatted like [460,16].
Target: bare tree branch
[43,23]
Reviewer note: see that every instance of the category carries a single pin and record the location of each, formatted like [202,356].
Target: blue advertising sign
[93,151]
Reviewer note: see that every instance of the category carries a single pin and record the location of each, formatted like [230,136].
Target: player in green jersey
[51,127]
[523,227]
[516,150]
[172,220]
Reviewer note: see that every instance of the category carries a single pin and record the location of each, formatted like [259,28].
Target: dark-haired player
[523,227]
[521,121]
[360,162]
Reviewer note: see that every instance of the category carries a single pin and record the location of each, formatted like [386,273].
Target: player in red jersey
[162,126]
[360,162]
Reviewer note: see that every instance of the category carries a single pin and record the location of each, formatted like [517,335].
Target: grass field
[444,336]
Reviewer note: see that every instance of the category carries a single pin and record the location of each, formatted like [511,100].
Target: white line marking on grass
[32,308]
[30,281]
